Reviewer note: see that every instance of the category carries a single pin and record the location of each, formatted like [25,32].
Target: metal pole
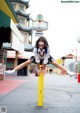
[76,63]
[40,89]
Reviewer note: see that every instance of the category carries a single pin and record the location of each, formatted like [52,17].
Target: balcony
[25,2]
[21,13]
[23,28]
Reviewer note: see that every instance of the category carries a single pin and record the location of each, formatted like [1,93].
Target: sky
[63,25]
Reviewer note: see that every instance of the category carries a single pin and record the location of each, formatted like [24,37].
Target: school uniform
[41,56]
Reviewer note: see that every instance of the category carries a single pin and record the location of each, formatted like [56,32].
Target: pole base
[78,77]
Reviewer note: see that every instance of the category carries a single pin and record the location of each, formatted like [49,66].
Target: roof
[26,46]
[68,56]
[25,2]
[7,8]
[19,12]
[7,45]
[12,9]
[50,65]
[21,27]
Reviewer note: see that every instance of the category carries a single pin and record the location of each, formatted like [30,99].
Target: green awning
[7,22]
[8,9]
[4,19]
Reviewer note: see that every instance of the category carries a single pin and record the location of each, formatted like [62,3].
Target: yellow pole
[40,89]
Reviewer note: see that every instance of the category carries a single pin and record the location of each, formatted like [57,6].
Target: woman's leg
[26,63]
[65,71]
[60,67]
[52,61]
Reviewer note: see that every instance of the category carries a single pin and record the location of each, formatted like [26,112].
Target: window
[21,20]
[14,6]
[21,7]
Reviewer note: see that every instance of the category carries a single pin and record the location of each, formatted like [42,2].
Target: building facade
[8,19]
[15,33]
[20,7]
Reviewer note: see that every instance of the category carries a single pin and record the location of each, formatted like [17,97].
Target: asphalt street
[61,95]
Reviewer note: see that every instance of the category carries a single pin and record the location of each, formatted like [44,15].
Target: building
[14,25]
[20,7]
[8,19]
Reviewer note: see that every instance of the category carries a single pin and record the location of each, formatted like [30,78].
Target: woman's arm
[36,55]
[46,56]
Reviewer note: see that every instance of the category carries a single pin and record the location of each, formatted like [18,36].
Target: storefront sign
[11,54]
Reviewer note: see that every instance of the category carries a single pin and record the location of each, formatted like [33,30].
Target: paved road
[61,95]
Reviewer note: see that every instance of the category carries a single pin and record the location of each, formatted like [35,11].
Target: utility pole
[76,63]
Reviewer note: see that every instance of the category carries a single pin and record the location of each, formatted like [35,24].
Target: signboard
[11,54]
[40,26]
[16,43]
[16,38]
[39,17]
[39,34]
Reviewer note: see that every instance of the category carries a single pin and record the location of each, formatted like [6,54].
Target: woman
[41,56]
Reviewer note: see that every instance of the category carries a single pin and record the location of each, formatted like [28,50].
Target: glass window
[21,20]
[14,6]
[21,7]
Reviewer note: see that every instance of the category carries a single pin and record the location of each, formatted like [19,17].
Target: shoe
[71,73]
[10,72]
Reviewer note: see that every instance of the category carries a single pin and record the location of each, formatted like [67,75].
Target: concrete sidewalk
[61,95]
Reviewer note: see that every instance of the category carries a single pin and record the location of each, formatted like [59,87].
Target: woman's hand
[43,66]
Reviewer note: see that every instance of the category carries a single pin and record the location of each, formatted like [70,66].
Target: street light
[78,66]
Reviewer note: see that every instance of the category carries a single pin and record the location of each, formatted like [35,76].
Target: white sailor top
[41,54]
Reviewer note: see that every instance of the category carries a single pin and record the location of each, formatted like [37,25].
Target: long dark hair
[42,39]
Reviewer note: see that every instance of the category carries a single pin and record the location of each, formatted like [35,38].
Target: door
[23,71]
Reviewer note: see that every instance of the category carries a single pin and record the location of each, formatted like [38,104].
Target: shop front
[22,57]
[9,33]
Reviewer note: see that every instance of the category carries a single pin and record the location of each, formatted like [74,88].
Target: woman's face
[41,45]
